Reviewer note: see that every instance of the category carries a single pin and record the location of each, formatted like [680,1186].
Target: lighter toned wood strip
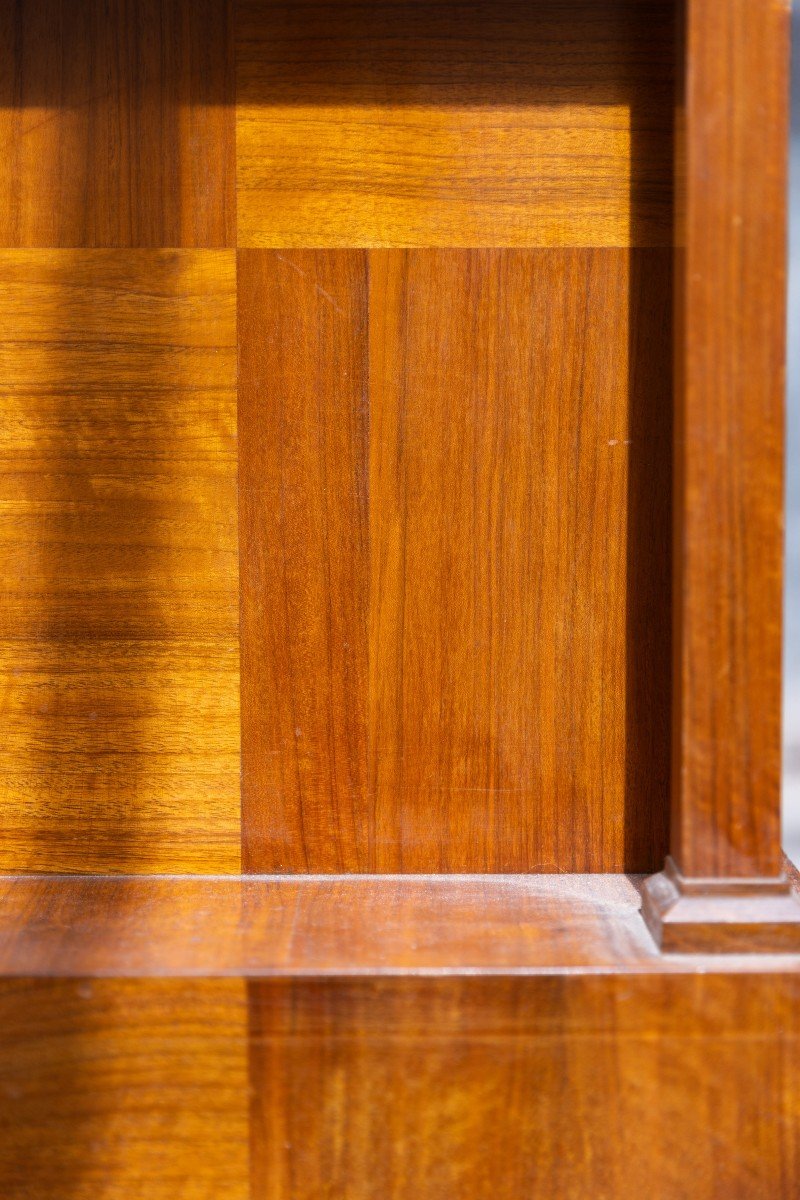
[118,561]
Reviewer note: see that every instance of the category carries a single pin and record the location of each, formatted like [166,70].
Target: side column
[723,885]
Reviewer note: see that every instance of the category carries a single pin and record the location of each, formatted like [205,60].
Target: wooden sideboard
[390,623]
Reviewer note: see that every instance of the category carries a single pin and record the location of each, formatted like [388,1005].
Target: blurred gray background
[791,686]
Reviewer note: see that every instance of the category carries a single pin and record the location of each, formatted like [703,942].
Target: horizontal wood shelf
[328,926]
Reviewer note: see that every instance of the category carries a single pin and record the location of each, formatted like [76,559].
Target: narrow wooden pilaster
[723,887]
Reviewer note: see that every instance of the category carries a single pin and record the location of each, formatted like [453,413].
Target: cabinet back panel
[452,226]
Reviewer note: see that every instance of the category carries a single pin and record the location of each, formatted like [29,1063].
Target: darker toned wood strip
[303,429]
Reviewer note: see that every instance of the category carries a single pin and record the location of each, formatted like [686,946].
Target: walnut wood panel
[112,1089]
[118,561]
[566,1087]
[461,664]
[728,531]
[116,123]
[454,124]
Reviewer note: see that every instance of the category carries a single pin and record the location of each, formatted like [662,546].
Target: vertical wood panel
[493,691]
[116,123]
[502,433]
[303,428]
[118,561]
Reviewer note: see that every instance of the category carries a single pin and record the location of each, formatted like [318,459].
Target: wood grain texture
[336,926]
[454,124]
[461,664]
[566,1087]
[116,123]
[304,540]
[118,561]
[391,1089]
[506,409]
[729,483]
[118,1088]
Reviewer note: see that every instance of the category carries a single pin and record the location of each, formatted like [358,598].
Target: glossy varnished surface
[455,488]
[455,483]
[336,926]
[322,925]
[118,561]
[454,124]
[607,1086]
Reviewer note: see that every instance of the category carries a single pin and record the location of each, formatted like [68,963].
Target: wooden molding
[715,915]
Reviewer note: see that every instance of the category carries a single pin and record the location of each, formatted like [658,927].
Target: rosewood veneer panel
[454,124]
[116,123]
[455,513]
[118,561]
